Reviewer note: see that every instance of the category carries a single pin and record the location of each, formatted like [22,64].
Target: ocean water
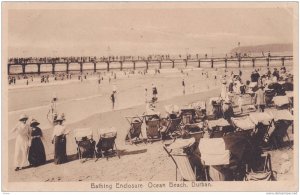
[79,100]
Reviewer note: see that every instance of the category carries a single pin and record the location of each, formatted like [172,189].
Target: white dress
[22,145]
[223,91]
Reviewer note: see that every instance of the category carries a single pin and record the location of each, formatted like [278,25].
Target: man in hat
[22,142]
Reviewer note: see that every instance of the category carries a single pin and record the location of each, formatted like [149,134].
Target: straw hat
[23,117]
[34,122]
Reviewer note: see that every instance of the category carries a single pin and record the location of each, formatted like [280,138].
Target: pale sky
[58,32]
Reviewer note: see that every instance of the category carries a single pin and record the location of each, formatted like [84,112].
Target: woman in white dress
[224,90]
[22,143]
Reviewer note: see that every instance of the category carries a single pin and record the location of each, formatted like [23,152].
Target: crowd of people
[47,78]
[257,86]
[91,59]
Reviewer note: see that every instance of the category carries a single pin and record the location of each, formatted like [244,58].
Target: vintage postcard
[150,96]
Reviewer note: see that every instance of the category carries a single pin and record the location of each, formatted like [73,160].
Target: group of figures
[29,147]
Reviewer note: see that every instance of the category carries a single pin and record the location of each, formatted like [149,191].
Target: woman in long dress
[37,154]
[260,99]
[223,90]
[60,141]
[22,143]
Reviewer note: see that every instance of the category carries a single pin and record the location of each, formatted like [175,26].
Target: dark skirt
[36,154]
[60,153]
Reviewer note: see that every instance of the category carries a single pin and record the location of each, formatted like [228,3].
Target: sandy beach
[87,104]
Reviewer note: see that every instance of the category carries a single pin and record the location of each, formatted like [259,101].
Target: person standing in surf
[112,98]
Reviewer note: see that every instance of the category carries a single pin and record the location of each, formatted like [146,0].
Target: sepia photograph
[150,96]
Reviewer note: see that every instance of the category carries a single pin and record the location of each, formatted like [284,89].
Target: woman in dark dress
[60,141]
[37,154]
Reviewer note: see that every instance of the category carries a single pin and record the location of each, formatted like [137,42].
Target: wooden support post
[268,61]
[23,68]
[282,59]
[95,66]
[53,68]
[8,69]
[107,66]
[133,65]
[212,63]
[239,62]
[159,65]
[253,62]
[81,64]
[225,62]
[67,70]
[199,63]
[39,69]
[121,65]
[185,60]
[147,65]
[173,64]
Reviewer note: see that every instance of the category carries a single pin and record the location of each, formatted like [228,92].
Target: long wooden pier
[222,62]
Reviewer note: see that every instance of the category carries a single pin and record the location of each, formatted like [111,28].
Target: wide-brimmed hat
[23,117]
[34,122]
